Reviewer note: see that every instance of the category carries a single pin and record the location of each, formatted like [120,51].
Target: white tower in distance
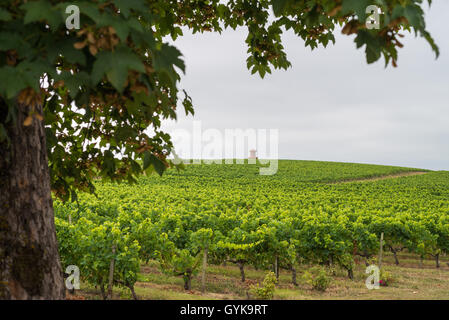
[252,154]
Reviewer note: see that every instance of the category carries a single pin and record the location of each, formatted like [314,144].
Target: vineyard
[206,216]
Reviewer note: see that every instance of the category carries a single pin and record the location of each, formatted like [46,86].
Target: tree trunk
[276,268]
[133,292]
[395,255]
[437,260]
[103,292]
[294,276]
[187,281]
[29,259]
[111,273]
[203,273]
[381,250]
[396,261]
[351,274]
[242,270]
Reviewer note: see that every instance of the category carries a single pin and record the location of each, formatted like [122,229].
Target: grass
[410,281]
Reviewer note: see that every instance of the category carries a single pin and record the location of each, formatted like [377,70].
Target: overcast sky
[330,105]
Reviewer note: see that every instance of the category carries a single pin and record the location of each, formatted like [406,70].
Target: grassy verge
[410,281]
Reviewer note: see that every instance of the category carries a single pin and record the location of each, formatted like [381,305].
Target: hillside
[294,220]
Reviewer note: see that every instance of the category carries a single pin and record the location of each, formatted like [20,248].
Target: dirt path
[390,176]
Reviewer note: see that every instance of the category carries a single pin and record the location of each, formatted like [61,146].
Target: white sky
[330,105]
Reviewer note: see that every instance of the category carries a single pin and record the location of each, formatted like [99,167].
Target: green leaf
[116,65]
[372,54]
[165,59]
[89,9]
[42,10]
[10,40]
[150,158]
[12,82]
[373,47]
[414,15]
[146,160]
[279,6]
[108,162]
[125,6]
[356,6]
[71,54]
[120,25]
[4,15]
[398,11]
[124,133]
[75,81]
[432,43]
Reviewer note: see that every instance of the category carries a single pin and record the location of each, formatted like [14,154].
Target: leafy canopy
[106,87]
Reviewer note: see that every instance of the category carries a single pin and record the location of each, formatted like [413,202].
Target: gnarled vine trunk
[29,259]
[350,273]
[188,280]
[241,266]
[293,269]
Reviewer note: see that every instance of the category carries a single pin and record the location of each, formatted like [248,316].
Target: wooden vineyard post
[203,275]
[276,268]
[381,249]
[111,273]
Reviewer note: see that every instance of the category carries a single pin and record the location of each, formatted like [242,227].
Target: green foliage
[89,245]
[266,291]
[103,86]
[386,278]
[241,216]
[176,261]
[318,278]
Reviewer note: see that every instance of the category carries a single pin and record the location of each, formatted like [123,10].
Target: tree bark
[294,276]
[188,281]
[276,268]
[29,259]
[351,274]
[133,292]
[395,255]
[130,287]
[111,273]
[103,292]
[242,270]
[203,273]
